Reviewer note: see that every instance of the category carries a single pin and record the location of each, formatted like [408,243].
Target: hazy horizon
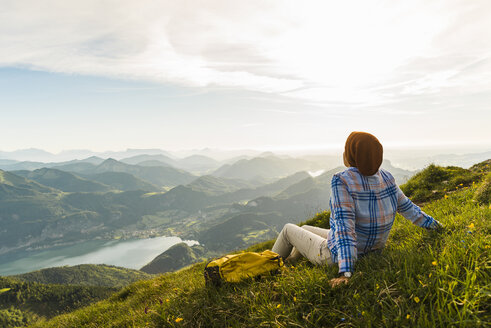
[405,158]
[328,148]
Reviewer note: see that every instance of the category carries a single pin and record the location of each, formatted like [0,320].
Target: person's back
[364,202]
[374,207]
[363,209]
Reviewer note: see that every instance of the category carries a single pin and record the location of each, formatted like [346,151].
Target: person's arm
[343,214]
[413,212]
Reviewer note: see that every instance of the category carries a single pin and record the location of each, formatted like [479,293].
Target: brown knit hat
[363,151]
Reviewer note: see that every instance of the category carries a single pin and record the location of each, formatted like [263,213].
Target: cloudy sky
[111,75]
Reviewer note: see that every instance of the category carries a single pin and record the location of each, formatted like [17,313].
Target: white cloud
[352,52]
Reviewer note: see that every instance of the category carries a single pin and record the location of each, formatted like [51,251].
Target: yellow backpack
[237,267]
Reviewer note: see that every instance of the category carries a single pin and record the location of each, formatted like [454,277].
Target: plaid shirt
[363,209]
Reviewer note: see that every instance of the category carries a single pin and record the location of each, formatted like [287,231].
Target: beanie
[363,151]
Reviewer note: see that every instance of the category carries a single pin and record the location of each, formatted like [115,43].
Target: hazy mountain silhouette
[193,163]
[136,160]
[264,168]
[72,165]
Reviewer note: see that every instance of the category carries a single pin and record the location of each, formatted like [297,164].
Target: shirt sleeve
[413,212]
[343,214]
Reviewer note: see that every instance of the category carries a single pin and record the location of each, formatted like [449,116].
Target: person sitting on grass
[364,202]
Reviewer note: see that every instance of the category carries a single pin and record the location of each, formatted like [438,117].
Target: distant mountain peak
[110,164]
[111,161]
[267,154]
[93,157]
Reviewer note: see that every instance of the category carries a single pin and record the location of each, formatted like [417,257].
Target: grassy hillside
[421,279]
[483,193]
[85,275]
[436,181]
[176,257]
[45,293]
[21,302]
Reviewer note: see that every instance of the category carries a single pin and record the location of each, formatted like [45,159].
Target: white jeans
[308,241]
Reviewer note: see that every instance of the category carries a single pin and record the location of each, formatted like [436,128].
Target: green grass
[421,279]
[435,181]
[22,302]
[85,275]
[483,192]
[13,317]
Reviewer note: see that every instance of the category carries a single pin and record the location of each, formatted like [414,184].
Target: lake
[131,254]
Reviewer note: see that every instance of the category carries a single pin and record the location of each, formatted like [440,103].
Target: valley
[76,234]
[114,200]
[70,213]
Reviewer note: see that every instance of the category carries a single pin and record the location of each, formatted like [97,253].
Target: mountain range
[227,209]
[94,198]
[182,298]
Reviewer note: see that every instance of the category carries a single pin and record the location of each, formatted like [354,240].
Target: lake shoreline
[127,253]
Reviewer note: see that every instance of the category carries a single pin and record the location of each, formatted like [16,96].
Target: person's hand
[338,281]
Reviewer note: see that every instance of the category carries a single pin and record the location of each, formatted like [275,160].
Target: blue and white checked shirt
[363,209]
